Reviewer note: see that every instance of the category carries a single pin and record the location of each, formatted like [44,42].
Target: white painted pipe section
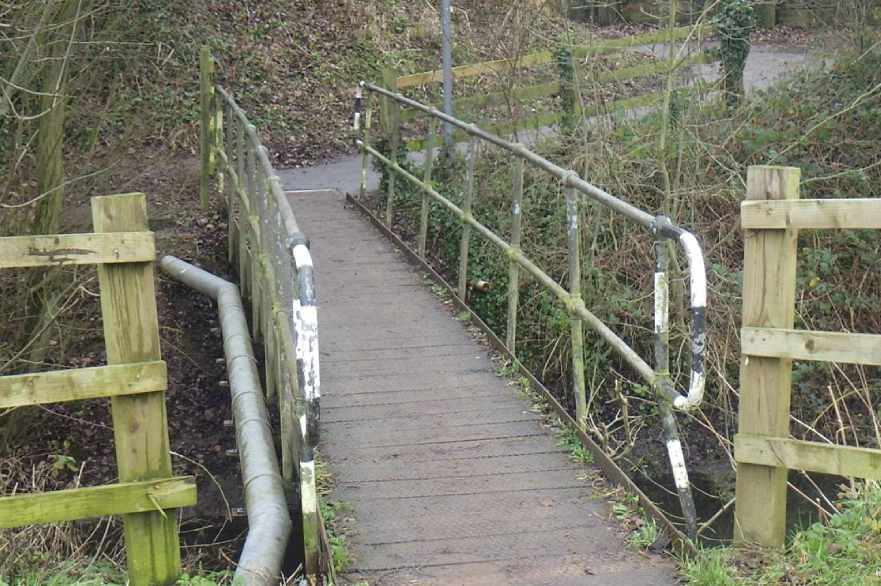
[269,521]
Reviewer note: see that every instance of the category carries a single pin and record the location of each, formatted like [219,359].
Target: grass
[845,551]
[86,573]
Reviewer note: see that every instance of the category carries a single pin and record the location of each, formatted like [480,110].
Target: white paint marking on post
[662,301]
[677,462]
[306,332]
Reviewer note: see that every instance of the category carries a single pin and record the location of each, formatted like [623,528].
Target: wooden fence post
[766,13]
[140,426]
[207,133]
[568,97]
[768,301]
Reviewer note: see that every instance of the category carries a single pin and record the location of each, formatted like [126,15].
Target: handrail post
[769,268]
[513,265]
[662,369]
[206,87]
[393,113]
[365,158]
[465,242]
[218,140]
[573,232]
[426,178]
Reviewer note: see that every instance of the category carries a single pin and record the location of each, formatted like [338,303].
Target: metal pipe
[426,178]
[447,57]
[465,241]
[513,267]
[269,521]
[662,368]
[573,233]
[575,306]
[658,225]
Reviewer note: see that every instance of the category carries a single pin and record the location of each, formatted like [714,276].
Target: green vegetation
[92,573]
[339,547]
[827,121]
[845,551]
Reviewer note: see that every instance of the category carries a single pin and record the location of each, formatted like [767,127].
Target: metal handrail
[659,225]
[276,274]
[574,186]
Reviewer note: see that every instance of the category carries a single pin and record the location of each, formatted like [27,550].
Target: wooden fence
[772,217]
[470,108]
[135,380]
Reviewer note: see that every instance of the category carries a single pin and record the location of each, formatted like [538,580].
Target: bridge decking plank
[450,476]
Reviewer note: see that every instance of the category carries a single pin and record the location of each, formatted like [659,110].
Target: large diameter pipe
[269,521]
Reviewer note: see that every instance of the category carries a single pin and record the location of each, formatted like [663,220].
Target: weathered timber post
[465,242]
[568,98]
[766,13]
[573,232]
[207,132]
[393,112]
[768,301]
[513,265]
[140,426]
[426,178]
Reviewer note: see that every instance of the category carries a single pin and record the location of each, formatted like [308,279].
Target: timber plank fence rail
[577,191]
[566,60]
[763,448]
[275,273]
[135,380]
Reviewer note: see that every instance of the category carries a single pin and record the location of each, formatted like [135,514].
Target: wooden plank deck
[450,477]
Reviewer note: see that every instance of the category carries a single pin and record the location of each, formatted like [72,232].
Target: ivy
[734,23]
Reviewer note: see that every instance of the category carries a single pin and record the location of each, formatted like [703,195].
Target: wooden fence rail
[135,381]
[526,94]
[763,448]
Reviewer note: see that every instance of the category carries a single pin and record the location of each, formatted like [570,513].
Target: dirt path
[451,477]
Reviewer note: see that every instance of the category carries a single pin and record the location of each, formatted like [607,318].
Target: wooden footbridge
[450,476]
[447,473]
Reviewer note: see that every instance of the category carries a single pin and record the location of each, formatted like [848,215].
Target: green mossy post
[766,13]
[513,266]
[207,132]
[568,97]
[573,231]
[393,128]
[426,178]
[465,242]
[140,426]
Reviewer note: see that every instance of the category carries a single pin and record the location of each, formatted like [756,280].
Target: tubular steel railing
[661,227]
[276,277]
